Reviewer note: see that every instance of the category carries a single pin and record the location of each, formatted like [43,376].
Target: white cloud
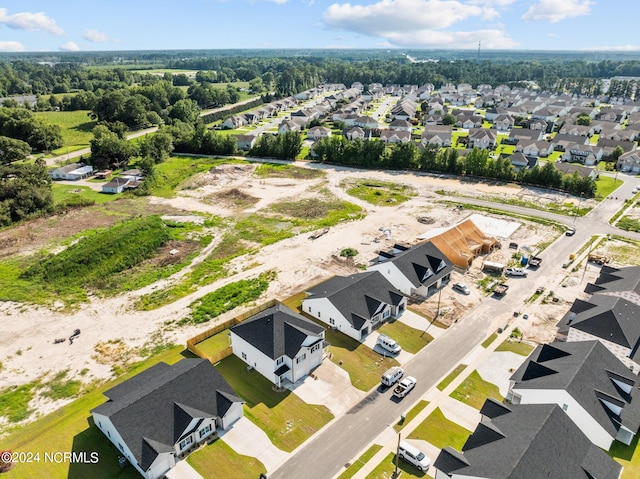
[491,39]
[390,16]
[69,47]
[492,3]
[419,23]
[95,36]
[8,46]
[554,11]
[31,22]
[279,2]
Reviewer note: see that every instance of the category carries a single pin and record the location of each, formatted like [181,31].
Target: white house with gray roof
[280,344]
[528,441]
[420,270]
[593,387]
[356,304]
[165,412]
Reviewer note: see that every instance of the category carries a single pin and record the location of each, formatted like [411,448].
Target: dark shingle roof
[422,264]
[358,296]
[152,409]
[531,442]
[612,318]
[277,331]
[586,370]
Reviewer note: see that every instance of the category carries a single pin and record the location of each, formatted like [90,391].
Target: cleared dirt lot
[232,191]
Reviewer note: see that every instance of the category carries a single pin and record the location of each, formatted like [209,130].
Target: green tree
[13,150]
[449,119]
[108,150]
[186,111]
[157,146]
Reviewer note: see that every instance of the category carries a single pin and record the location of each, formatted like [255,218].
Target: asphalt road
[340,442]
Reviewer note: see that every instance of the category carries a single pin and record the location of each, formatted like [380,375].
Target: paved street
[343,439]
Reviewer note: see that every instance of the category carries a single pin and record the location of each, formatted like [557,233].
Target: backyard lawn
[63,193]
[283,416]
[412,340]
[474,391]
[70,429]
[628,456]
[215,344]
[441,432]
[219,461]
[605,185]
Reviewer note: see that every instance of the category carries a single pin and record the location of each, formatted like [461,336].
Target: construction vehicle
[500,289]
[598,258]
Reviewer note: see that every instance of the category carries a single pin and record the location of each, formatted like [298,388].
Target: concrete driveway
[499,367]
[423,324]
[183,470]
[403,357]
[246,438]
[330,386]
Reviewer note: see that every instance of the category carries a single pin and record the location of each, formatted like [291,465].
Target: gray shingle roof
[586,370]
[277,331]
[152,409]
[423,264]
[358,296]
[530,442]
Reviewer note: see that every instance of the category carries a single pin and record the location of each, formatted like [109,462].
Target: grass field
[474,391]
[71,429]
[272,170]
[605,185]
[76,128]
[65,193]
[523,349]
[415,410]
[628,456]
[410,339]
[379,193]
[487,342]
[385,469]
[283,416]
[219,461]
[441,432]
[216,343]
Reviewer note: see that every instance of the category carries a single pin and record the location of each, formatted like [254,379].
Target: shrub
[349,252]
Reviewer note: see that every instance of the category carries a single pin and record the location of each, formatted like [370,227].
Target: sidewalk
[437,399]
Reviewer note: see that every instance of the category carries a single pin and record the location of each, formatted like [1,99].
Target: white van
[414,456]
[392,376]
[388,344]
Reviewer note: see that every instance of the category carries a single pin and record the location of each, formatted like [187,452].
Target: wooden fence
[192,343]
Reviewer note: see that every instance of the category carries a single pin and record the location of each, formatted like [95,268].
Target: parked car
[388,344]
[413,456]
[516,272]
[462,288]
[404,387]
[392,376]
[570,232]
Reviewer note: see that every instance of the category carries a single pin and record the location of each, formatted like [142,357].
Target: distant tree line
[375,154]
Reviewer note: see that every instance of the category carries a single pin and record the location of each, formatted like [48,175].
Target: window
[315,347]
[309,308]
[204,431]
[120,446]
[565,407]
[244,356]
[186,442]
[301,358]
[318,313]
[332,321]
[279,361]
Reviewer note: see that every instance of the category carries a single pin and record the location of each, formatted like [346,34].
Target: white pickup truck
[404,387]
[515,272]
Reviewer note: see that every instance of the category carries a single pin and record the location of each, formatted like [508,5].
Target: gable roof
[591,374]
[358,296]
[422,264]
[278,331]
[623,282]
[529,442]
[152,409]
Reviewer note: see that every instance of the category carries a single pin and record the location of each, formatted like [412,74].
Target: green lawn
[283,416]
[360,462]
[385,469]
[415,410]
[379,193]
[219,461]
[628,456]
[451,376]
[441,432]
[272,170]
[76,128]
[71,429]
[216,343]
[63,193]
[474,391]
[523,349]
[487,342]
[365,367]
[605,185]
[410,339]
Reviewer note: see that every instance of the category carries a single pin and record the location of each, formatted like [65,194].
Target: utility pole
[396,472]
[479,43]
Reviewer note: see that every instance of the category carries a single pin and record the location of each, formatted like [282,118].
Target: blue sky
[89,25]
